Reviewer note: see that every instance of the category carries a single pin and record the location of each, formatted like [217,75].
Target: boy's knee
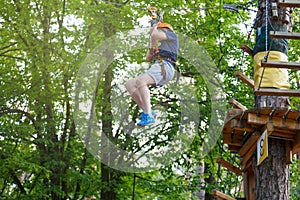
[140,83]
[129,84]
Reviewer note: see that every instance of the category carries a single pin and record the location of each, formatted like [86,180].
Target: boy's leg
[139,91]
[133,91]
[144,92]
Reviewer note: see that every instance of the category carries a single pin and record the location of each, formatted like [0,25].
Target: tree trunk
[108,174]
[267,48]
[272,175]
[208,180]
[46,99]
[200,194]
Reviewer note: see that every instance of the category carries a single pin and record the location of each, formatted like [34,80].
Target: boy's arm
[155,36]
[149,56]
[158,34]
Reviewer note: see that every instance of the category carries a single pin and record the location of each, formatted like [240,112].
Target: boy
[160,73]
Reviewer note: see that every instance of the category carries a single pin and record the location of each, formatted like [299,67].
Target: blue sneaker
[152,113]
[146,120]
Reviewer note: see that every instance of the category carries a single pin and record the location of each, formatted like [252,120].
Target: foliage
[294,179]
[44,43]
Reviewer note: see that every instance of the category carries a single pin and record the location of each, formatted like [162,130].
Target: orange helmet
[165,25]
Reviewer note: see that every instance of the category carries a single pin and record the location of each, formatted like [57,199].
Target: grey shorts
[155,72]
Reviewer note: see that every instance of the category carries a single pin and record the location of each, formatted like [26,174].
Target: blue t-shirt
[169,48]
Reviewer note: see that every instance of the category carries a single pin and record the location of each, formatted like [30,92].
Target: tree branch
[17,181]
[4,186]
[14,57]
[18,111]
[8,46]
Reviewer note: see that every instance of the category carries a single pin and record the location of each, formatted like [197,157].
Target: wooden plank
[296,144]
[280,132]
[287,35]
[278,122]
[237,104]
[249,184]
[292,114]
[231,113]
[235,140]
[249,149]
[229,166]
[221,195]
[277,92]
[247,167]
[263,111]
[226,129]
[245,79]
[283,135]
[282,113]
[248,155]
[252,186]
[280,64]
[279,113]
[289,3]
[249,143]
[246,184]
[247,49]
[241,125]
[233,149]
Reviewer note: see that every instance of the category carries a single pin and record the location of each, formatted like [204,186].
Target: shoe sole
[145,125]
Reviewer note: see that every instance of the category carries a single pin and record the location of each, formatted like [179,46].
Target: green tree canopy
[44,44]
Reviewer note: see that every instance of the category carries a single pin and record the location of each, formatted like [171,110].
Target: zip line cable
[233,7]
[230,7]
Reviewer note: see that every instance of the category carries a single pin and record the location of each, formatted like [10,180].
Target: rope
[267,14]
[267,49]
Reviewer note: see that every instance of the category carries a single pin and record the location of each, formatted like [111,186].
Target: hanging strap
[163,69]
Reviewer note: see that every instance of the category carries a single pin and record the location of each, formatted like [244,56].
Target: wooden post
[229,166]
[237,104]
[249,184]
[289,156]
[245,79]
[221,195]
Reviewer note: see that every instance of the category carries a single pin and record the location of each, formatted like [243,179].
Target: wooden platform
[277,92]
[289,3]
[243,128]
[281,64]
[286,35]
